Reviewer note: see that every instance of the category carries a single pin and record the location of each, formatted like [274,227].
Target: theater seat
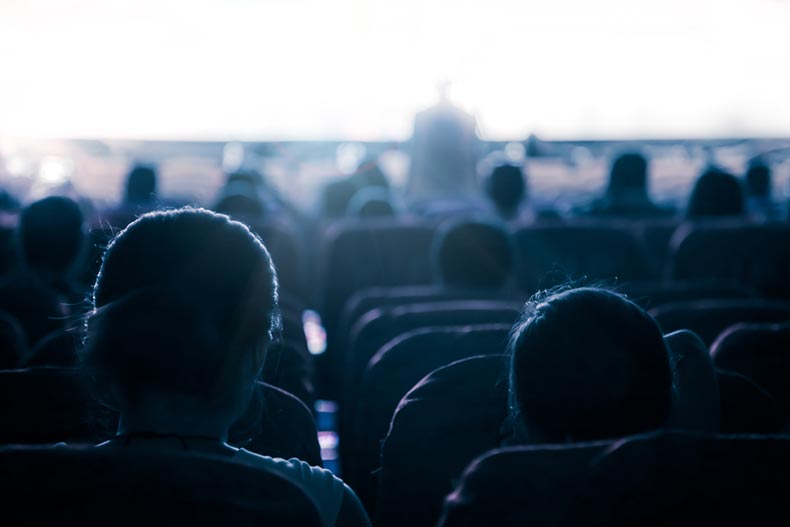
[656,479]
[760,352]
[395,369]
[708,318]
[47,405]
[753,255]
[56,349]
[450,417]
[95,486]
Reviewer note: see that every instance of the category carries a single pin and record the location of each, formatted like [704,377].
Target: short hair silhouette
[473,254]
[141,184]
[758,180]
[185,302]
[51,233]
[716,193]
[371,202]
[507,188]
[628,174]
[587,364]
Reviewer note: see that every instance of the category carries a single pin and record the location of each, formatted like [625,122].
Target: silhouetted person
[443,151]
[587,364]
[627,191]
[716,194]
[371,202]
[336,196]
[185,307]
[42,293]
[507,189]
[759,202]
[473,255]
[141,185]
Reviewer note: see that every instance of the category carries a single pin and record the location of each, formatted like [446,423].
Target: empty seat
[395,369]
[652,294]
[449,418]
[760,352]
[96,486]
[752,255]
[551,255]
[358,255]
[746,408]
[47,405]
[708,318]
[655,479]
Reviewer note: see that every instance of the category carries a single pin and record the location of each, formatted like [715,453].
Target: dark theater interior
[361,263]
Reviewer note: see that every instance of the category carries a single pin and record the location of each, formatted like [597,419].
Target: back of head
[758,180]
[716,193]
[371,202]
[506,188]
[628,174]
[588,364]
[141,184]
[51,233]
[185,302]
[473,254]
[369,174]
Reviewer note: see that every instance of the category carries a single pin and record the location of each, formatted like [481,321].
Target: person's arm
[352,513]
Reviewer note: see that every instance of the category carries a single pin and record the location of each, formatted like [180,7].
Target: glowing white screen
[336,69]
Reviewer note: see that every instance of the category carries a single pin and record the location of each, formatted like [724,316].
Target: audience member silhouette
[716,194]
[759,202]
[507,189]
[371,202]
[141,186]
[185,307]
[587,364]
[473,255]
[41,294]
[336,196]
[627,191]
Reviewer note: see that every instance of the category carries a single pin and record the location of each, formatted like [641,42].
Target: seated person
[587,364]
[43,292]
[473,255]
[627,192]
[716,194]
[185,306]
[759,202]
[506,187]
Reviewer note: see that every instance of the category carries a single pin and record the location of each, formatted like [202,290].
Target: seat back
[450,417]
[98,486]
[656,479]
[392,372]
[551,255]
[378,327]
[60,348]
[752,255]
[760,352]
[708,318]
[48,405]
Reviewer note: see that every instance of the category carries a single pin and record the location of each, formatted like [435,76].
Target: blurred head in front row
[716,194]
[140,185]
[185,305]
[587,364]
[473,255]
[507,189]
[627,191]
[51,234]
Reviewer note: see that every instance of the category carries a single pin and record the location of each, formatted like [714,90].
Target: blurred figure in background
[139,196]
[43,292]
[442,173]
[473,255]
[372,202]
[716,194]
[627,192]
[336,196]
[507,188]
[759,201]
